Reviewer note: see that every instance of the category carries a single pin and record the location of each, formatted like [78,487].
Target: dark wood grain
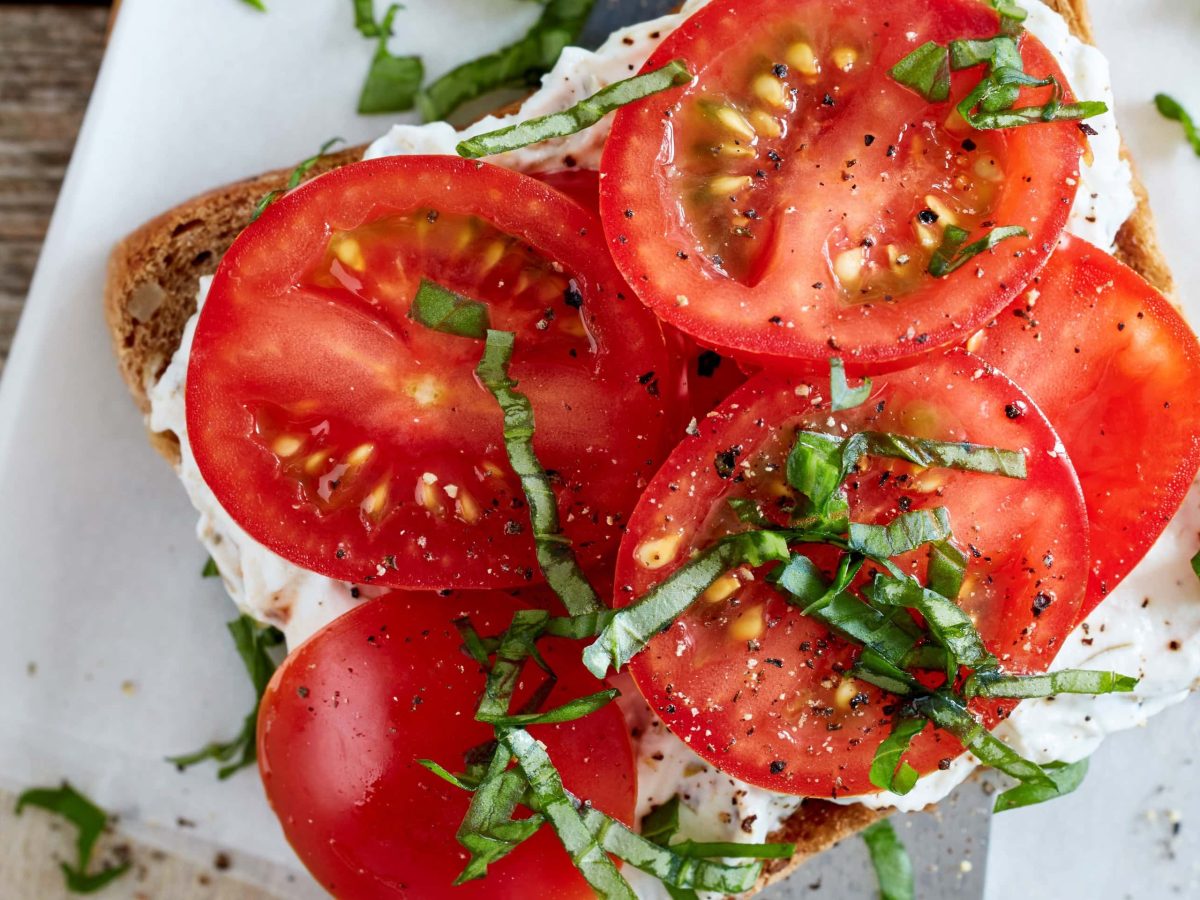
[48,61]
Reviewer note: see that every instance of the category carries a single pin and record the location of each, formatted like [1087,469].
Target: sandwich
[793,426]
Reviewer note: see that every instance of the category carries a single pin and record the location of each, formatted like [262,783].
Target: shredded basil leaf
[952,255]
[926,70]
[950,626]
[489,832]
[392,82]
[947,568]
[815,468]
[517,644]
[748,511]
[442,309]
[1172,109]
[567,712]
[445,774]
[89,821]
[662,822]
[874,668]
[893,868]
[732,850]
[1010,10]
[210,569]
[996,93]
[842,396]
[294,179]
[931,454]
[582,115]
[1196,565]
[550,799]
[948,713]
[577,628]
[364,18]
[555,555]
[634,625]
[254,643]
[889,771]
[257,4]
[535,53]
[903,534]
[1064,681]
[1066,777]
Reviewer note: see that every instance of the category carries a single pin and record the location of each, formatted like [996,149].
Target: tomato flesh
[788,201]
[755,687]
[359,444]
[1116,370]
[351,710]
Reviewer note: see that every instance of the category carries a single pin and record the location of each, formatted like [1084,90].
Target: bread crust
[151,293]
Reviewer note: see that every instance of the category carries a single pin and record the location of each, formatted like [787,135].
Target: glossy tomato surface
[757,688]
[359,444]
[350,712]
[1116,369]
[788,201]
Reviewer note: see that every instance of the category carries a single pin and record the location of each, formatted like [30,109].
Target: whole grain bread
[151,293]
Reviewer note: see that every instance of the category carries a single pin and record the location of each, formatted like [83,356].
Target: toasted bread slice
[151,294]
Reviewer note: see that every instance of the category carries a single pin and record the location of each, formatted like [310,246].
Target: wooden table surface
[48,61]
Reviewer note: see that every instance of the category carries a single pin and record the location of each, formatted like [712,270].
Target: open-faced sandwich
[775,419]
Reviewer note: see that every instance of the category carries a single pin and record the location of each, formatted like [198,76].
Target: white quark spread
[1148,626]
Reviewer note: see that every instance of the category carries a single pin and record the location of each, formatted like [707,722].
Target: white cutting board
[99,574]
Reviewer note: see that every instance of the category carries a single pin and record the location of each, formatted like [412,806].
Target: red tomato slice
[356,443]
[1116,370]
[351,710]
[581,185]
[755,687]
[789,199]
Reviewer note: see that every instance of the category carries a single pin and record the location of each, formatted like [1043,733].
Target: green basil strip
[634,625]
[953,255]
[521,62]
[364,18]
[579,627]
[662,822]
[1172,109]
[567,712]
[950,626]
[669,865]
[893,635]
[1064,681]
[582,115]
[874,668]
[1009,9]
[554,553]
[442,309]
[294,179]
[489,832]
[947,568]
[903,534]
[801,578]
[479,650]
[392,82]
[1001,51]
[210,569]
[1033,115]
[889,770]
[733,850]
[926,70]
[550,799]
[893,869]
[1196,565]
[257,4]
[89,821]
[842,396]
[931,454]
[815,469]
[948,714]
[254,643]
[748,511]
[445,774]
[1066,777]
[516,645]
